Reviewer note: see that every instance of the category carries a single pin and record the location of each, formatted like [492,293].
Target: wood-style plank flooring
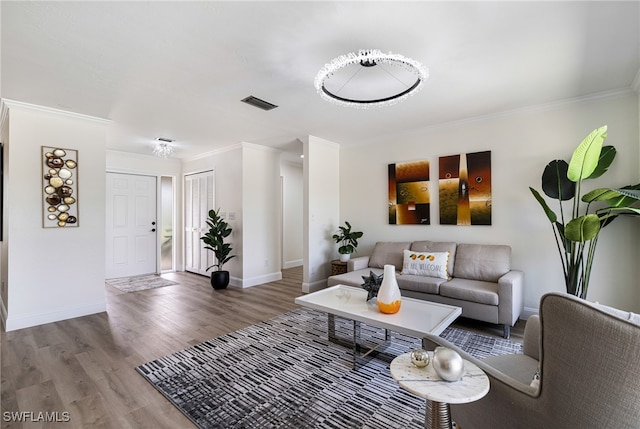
[86,366]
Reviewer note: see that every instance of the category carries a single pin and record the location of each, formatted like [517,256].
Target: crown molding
[259,147]
[19,105]
[214,152]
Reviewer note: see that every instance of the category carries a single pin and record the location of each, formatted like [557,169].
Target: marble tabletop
[424,382]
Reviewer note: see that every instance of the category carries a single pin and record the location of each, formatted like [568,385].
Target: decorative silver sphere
[448,364]
[420,358]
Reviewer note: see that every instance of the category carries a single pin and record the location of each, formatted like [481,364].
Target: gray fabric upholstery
[359,263]
[389,252]
[531,343]
[590,373]
[352,278]
[486,262]
[420,283]
[437,246]
[471,290]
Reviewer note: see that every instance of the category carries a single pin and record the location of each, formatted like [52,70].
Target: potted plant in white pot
[348,241]
[214,240]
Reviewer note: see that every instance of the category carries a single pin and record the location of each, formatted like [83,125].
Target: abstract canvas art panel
[464,183]
[59,187]
[409,195]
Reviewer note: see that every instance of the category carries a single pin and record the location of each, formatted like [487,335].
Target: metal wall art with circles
[59,187]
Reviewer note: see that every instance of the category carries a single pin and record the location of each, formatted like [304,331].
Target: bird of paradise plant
[576,239]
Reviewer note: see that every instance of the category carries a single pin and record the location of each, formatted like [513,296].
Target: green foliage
[214,239]
[347,239]
[577,233]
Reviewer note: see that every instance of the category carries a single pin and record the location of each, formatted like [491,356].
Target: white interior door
[131,225]
[198,191]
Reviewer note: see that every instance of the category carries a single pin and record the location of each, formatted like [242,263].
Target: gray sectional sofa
[476,277]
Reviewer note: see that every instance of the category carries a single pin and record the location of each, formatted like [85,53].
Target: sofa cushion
[420,283]
[471,290]
[437,246]
[429,264]
[487,262]
[388,252]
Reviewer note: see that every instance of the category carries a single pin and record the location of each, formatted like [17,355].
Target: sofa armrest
[531,341]
[359,263]
[494,374]
[510,297]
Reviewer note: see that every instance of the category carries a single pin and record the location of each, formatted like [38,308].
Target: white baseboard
[528,312]
[314,286]
[292,264]
[29,320]
[254,281]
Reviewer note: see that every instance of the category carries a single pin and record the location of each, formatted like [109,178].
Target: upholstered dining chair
[585,358]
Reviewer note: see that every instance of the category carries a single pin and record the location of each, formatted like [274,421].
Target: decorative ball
[448,364]
[420,358]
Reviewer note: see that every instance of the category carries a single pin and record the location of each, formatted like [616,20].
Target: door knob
[153,230]
[153,223]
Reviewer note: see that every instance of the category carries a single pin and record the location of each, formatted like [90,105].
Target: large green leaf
[586,156]
[583,228]
[607,155]
[555,183]
[550,213]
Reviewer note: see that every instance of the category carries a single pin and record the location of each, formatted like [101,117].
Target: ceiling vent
[256,102]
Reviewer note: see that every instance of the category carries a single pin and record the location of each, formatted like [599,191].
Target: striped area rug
[284,373]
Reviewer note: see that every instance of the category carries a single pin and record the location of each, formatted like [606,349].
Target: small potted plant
[214,240]
[348,241]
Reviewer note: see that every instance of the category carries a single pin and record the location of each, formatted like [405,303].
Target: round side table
[424,382]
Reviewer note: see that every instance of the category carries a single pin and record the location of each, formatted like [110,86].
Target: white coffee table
[426,383]
[416,317]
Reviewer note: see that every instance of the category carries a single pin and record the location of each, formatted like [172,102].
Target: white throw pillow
[430,264]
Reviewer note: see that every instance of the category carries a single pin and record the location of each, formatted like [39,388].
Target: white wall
[522,143]
[227,171]
[261,256]
[53,273]
[292,209]
[322,189]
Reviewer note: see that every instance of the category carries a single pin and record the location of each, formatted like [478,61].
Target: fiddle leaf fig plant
[577,230]
[347,239]
[214,239]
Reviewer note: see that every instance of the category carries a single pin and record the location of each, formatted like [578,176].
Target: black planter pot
[219,279]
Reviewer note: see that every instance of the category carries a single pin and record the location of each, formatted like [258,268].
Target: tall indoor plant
[348,241]
[214,240]
[577,231]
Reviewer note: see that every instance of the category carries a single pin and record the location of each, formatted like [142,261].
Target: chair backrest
[590,364]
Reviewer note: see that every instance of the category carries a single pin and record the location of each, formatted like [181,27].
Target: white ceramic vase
[389,298]
[344,257]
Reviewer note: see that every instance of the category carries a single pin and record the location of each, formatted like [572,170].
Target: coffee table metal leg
[331,327]
[438,415]
[356,342]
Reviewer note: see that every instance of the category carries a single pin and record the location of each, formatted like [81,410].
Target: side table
[338,267]
[424,382]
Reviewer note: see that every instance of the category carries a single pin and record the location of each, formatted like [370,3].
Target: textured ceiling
[179,69]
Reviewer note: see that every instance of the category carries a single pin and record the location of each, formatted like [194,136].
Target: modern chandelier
[369,79]
[163,148]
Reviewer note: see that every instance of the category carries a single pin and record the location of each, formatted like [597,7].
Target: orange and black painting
[409,196]
[464,182]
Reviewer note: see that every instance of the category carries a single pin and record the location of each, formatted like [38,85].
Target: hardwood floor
[83,369]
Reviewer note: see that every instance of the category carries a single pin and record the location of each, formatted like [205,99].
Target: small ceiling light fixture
[369,79]
[163,147]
